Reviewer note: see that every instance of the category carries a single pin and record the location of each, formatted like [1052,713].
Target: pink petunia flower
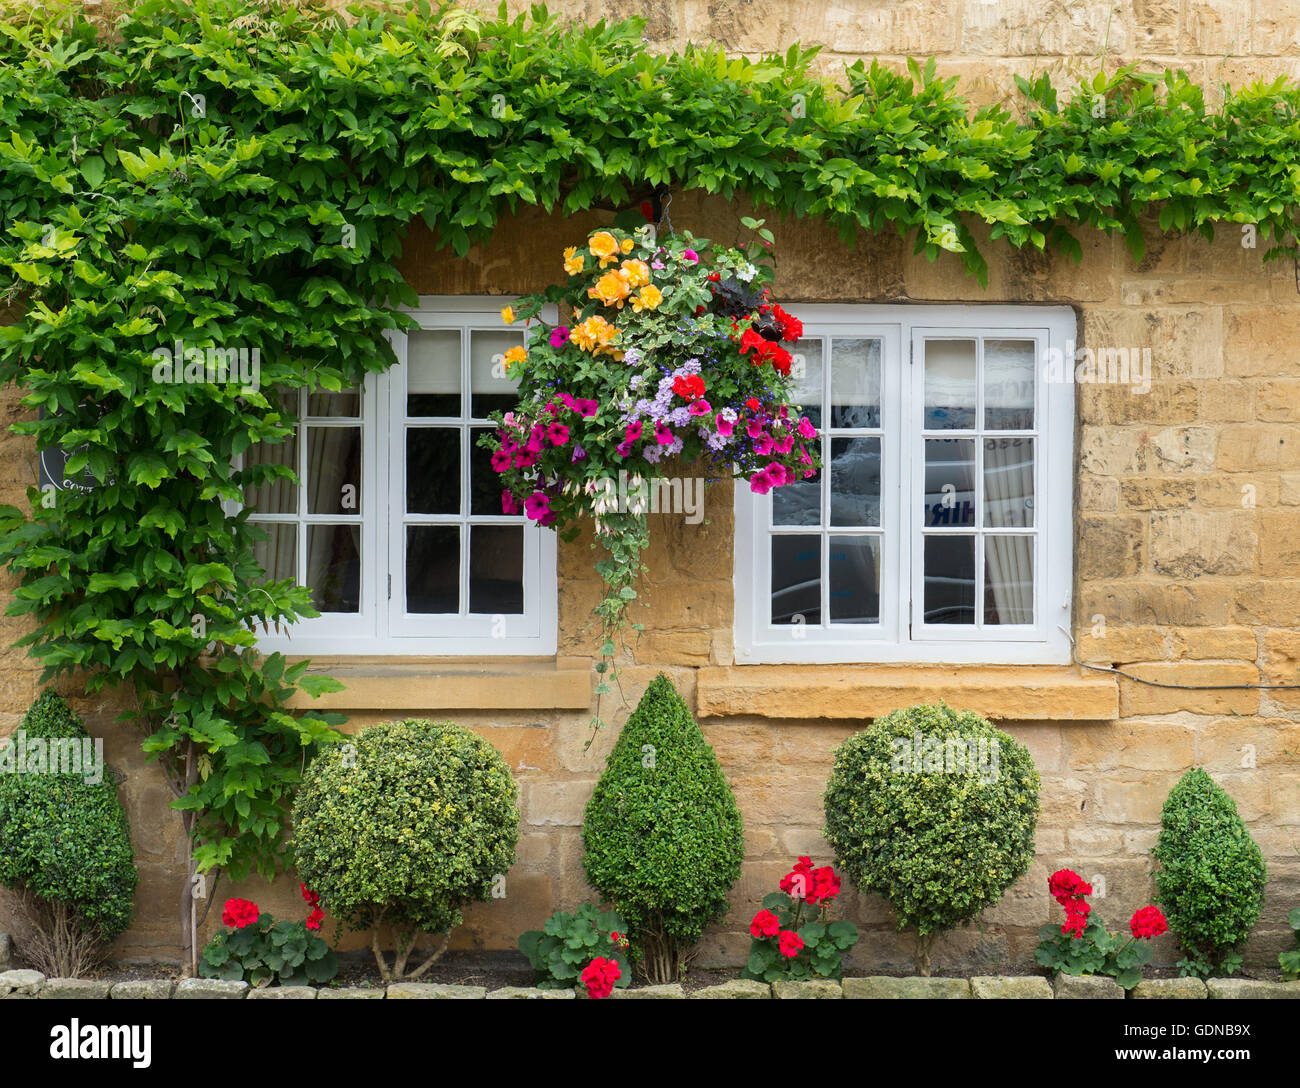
[559,336]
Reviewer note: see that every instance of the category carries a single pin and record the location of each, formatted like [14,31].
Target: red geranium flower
[599,977]
[315,918]
[239,913]
[311,898]
[1147,923]
[790,944]
[765,924]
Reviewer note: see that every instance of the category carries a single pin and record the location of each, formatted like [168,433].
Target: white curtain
[1008,503]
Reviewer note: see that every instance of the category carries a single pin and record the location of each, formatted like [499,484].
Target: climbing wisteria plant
[668,350]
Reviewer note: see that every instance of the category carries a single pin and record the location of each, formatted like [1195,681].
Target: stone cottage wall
[1187,518]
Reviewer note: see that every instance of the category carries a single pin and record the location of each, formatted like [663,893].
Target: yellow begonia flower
[508,315]
[649,297]
[627,245]
[611,289]
[516,355]
[605,246]
[594,335]
[574,265]
[637,273]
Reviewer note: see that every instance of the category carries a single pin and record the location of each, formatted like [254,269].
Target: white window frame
[900,637]
[382,628]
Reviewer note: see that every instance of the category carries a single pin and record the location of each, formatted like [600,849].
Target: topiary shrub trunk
[65,846]
[663,835]
[935,810]
[1211,876]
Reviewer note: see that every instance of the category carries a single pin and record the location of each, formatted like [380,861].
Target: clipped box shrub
[1211,876]
[402,827]
[934,809]
[663,835]
[65,845]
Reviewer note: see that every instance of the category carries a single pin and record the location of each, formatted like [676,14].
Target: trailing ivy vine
[232,174]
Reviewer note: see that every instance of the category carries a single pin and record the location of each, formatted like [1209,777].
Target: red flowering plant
[1083,946]
[257,949]
[792,936]
[669,348]
[587,946]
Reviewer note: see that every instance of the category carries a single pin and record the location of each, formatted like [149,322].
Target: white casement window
[397,527]
[939,528]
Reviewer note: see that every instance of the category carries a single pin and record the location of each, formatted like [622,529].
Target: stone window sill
[838,692]
[436,684]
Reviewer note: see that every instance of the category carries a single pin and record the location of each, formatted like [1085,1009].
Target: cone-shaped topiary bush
[403,826]
[664,838]
[935,810]
[1211,876]
[65,845]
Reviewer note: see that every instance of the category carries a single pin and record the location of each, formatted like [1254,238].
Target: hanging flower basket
[673,350]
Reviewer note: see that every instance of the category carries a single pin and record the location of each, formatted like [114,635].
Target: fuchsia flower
[578,454]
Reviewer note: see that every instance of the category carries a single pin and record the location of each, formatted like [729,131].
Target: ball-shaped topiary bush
[935,810]
[663,835]
[1211,876]
[65,845]
[402,826]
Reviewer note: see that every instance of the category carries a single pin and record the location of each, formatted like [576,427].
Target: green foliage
[62,838]
[1211,876]
[404,825]
[1097,952]
[198,173]
[268,953]
[663,835]
[940,837]
[1289,961]
[561,949]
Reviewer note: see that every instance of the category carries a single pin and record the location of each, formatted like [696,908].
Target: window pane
[432,568]
[433,470]
[949,385]
[855,481]
[496,569]
[334,567]
[484,481]
[278,556]
[1009,385]
[1009,482]
[950,579]
[333,470]
[855,579]
[949,481]
[1008,579]
[796,579]
[807,378]
[855,383]
[273,496]
[798,503]
[491,390]
[433,373]
[345,404]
